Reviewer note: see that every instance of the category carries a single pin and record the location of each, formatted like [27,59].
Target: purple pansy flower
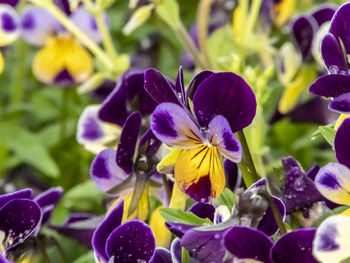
[335,49]
[129,242]
[9,24]
[200,140]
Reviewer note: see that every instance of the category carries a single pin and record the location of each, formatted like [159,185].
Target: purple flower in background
[129,242]
[200,140]
[335,49]
[9,25]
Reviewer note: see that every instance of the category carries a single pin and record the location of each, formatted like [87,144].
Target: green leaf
[226,198]
[168,10]
[335,211]
[328,133]
[179,216]
[28,148]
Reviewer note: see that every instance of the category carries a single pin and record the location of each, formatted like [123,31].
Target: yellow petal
[166,165]
[62,54]
[283,11]
[346,212]
[340,120]
[293,91]
[143,205]
[200,162]
[2,63]
[127,202]
[161,233]
[178,198]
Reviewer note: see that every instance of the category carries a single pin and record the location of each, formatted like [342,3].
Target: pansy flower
[335,49]
[9,27]
[62,60]
[294,69]
[99,125]
[223,103]
[116,242]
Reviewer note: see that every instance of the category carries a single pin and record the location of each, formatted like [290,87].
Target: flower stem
[203,14]
[189,46]
[106,37]
[247,166]
[42,250]
[81,36]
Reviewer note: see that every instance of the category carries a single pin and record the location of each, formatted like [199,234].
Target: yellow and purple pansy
[62,60]
[223,103]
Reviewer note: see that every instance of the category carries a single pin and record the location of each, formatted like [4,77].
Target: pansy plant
[223,103]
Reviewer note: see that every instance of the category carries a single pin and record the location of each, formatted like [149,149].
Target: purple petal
[131,242]
[340,26]
[342,143]
[206,246]
[79,227]
[24,193]
[161,255]
[332,55]
[268,224]
[298,191]
[173,125]
[63,5]
[312,172]
[18,220]
[203,210]
[248,243]
[159,88]
[178,229]
[38,25]
[180,87]
[101,234]
[303,30]
[86,22]
[105,172]
[196,81]
[324,13]
[332,85]
[228,95]
[9,22]
[233,176]
[9,2]
[341,104]
[221,136]
[47,201]
[152,142]
[295,246]
[3,259]
[127,142]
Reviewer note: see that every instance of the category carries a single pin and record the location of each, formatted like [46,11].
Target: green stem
[185,257]
[167,188]
[61,251]
[203,14]
[247,166]
[42,250]
[106,37]
[81,36]
[64,112]
[189,46]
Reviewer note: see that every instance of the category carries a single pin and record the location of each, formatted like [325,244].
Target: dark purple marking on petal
[298,190]
[131,242]
[163,124]
[201,190]
[28,21]
[19,218]
[127,142]
[328,239]
[159,88]
[64,78]
[108,225]
[329,181]
[203,210]
[341,104]
[225,94]
[229,142]
[248,243]
[99,166]
[205,246]
[8,23]
[342,143]
[268,223]
[24,193]
[340,26]
[178,229]
[303,30]
[324,13]
[332,85]
[295,246]
[161,255]
[333,55]
[91,129]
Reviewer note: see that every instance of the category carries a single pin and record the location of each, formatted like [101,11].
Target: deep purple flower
[129,242]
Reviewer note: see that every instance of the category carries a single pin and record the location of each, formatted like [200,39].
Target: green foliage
[179,216]
[168,10]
